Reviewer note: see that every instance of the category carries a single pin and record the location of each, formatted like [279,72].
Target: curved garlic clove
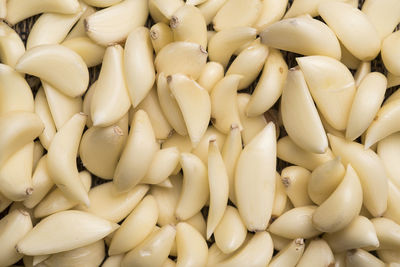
[162,10]
[251,125]
[224,43]
[300,116]
[317,253]
[195,190]
[338,16]
[16,174]
[256,252]
[69,230]
[295,180]
[79,29]
[366,104]
[55,201]
[91,53]
[270,85]
[138,64]
[161,35]
[288,151]
[90,255]
[289,255]
[383,15]
[271,12]
[310,7]
[388,233]
[224,104]
[361,258]
[302,35]
[348,197]
[280,198]
[194,102]
[212,73]
[182,143]
[210,8]
[348,59]
[18,10]
[358,234]
[11,45]
[110,100]
[138,225]
[218,182]
[201,150]
[188,25]
[255,179]
[331,86]
[199,223]
[370,170]
[62,107]
[324,180]
[112,25]
[362,70]
[390,51]
[43,111]
[52,28]
[388,151]
[13,227]
[393,211]
[249,63]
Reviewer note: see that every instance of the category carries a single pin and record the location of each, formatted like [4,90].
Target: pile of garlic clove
[212,152]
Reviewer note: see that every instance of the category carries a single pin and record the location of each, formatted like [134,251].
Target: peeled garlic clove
[55,64]
[300,116]
[388,152]
[230,232]
[283,226]
[361,39]
[390,51]
[384,15]
[224,104]
[161,35]
[290,255]
[182,143]
[271,12]
[367,101]
[251,125]
[13,227]
[191,246]
[162,10]
[138,64]
[201,150]
[317,253]
[62,107]
[224,43]
[230,154]
[288,151]
[212,73]
[138,225]
[16,174]
[332,87]
[153,251]
[43,111]
[90,52]
[361,258]
[107,203]
[255,179]
[90,255]
[41,184]
[388,255]
[249,63]
[348,195]
[20,128]
[11,45]
[181,57]
[195,191]
[256,252]
[393,211]
[310,7]
[194,102]
[18,10]
[52,28]
[348,59]
[387,232]
[280,198]
[112,25]
[188,25]
[69,230]
[358,234]
[219,187]
[295,180]
[56,201]
[79,29]
[237,13]
[110,101]
[270,85]
[324,180]
[302,35]
[370,170]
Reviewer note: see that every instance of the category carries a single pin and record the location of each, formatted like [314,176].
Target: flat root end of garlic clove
[23,212]
[169,79]
[203,50]
[118,131]
[286,181]
[17,249]
[29,191]
[174,22]
[154,34]
[299,241]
